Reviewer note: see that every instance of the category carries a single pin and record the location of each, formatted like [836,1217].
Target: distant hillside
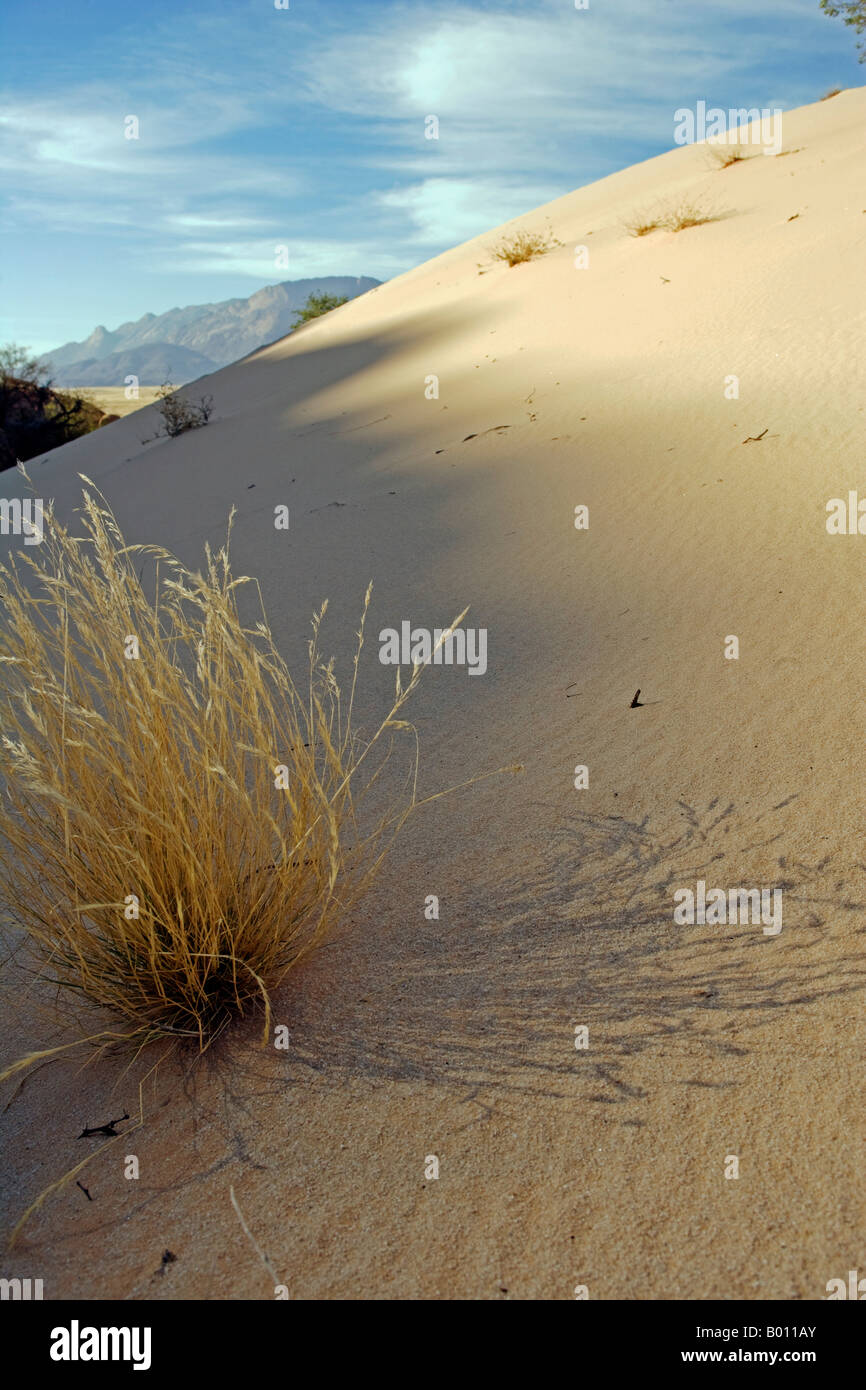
[194,340]
[152,365]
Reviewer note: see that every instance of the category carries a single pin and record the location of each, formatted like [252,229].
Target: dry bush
[723,156]
[674,217]
[686,213]
[524,246]
[155,866]
[179,414]
[641,223]
[833,92]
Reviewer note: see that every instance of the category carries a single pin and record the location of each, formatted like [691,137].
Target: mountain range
[181,345]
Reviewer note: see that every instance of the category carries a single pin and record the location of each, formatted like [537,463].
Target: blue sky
[304,127]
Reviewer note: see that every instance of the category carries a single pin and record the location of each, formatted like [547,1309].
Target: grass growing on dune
[724,156]
[641,223]
[673,217]
[524,246]
[177,829]
[687,212]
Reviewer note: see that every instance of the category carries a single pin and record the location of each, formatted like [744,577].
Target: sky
[304,128]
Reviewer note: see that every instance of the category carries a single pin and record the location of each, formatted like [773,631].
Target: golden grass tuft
[674,217]
[686,213]
[155,867]
[524,246]
[641,223]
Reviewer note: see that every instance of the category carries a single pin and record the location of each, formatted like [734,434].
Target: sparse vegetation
[641,223]
[524,246]
[833,92]
[178,828]
[686,213]
[179,414]
[316,305]
[723,156]
[34,416]
[675,217]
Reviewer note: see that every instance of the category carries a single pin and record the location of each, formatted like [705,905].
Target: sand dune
[558,386]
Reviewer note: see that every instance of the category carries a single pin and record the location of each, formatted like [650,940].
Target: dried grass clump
[524,246]
[674,217]
[641,223]
[155,865]
[178,413]
[723,156]
[686,213]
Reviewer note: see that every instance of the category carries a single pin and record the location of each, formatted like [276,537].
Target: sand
[601,1167]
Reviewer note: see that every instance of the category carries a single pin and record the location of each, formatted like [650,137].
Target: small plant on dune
[179,414]
[833,92]
[686,213]
[723,156]
[524,246]
[180,824]
[316,306]
[641,223]
[675,217]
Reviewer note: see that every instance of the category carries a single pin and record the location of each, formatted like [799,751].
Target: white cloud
[261,127]
[445,212]
[531,102]
[195,222]
[256,259]
[67,166]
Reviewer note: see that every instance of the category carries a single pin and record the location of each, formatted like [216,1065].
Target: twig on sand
[252,1240]
[103,1129]
[755,438]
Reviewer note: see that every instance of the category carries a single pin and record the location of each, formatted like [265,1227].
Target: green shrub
[852,13]
[316,305]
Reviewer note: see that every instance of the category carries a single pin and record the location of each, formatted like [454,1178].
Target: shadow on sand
[489,1005]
